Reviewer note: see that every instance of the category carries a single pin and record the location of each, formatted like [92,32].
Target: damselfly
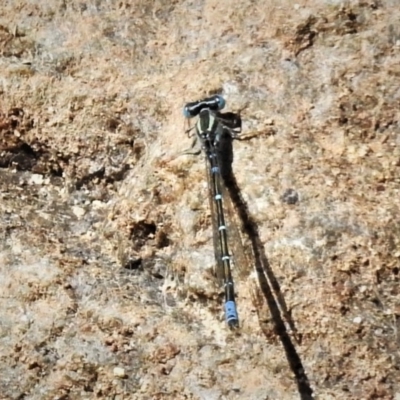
[211,128]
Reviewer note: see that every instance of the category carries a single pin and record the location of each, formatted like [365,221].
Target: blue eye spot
[221,102]
[186,112]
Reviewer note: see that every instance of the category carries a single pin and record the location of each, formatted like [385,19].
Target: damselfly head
[214,103]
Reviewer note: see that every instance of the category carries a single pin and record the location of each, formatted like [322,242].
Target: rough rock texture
[106,253]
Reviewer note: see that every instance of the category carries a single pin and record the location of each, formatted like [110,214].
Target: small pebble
[36,179]
[378,332]
[119,372]
[269,121]
[78,211]
[97,204]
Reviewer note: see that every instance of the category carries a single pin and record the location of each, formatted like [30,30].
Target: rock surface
[106,253]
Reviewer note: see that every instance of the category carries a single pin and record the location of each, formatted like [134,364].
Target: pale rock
[78,211]
[36,179]
[119,372]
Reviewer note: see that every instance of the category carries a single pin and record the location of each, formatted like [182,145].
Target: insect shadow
[267,281]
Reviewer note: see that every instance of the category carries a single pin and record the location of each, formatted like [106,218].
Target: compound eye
[186,112]
[221,102]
